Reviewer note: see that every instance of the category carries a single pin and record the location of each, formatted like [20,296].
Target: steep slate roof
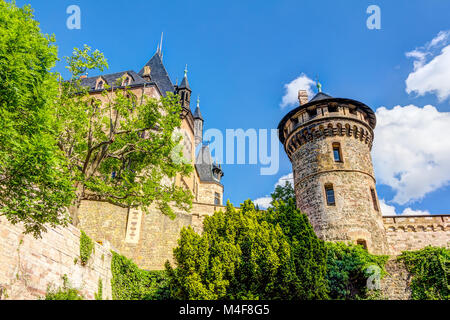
[184,84]
[111,79]
[197,113]
[204,165]
[158,74]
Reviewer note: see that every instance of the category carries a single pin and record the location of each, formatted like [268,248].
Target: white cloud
[411,150]
[264,202]
[431,68]
[291,90]
[388,210]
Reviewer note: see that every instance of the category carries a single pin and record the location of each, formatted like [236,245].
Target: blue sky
[240,54]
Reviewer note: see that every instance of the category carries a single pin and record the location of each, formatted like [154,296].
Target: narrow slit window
[216,198]
[337,153]
[329,192]
[374,199]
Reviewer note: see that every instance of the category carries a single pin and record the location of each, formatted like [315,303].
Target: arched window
[100,84]
[362,242]
[126,82]
[329,193]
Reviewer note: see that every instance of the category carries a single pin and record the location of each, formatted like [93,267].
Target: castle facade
[149,239]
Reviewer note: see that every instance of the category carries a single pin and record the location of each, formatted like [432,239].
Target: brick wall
[29,265]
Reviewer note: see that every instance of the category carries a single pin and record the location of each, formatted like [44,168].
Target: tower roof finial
[198,101]
[318,85]
[185,71]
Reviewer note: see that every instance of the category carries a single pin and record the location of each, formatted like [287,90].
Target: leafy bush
[244,254]
[346,270]
[430,268]
[131,283]
[66,292]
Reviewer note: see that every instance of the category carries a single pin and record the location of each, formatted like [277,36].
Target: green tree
[35,187]
[283,193]
[122,150]
[244,254]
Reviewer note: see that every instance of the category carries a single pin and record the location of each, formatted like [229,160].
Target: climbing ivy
[131,283]
[347,267]
[66,292]
[86,248]
[99,294]
[430,269]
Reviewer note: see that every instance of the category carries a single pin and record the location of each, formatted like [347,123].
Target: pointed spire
[185,83]
[197,113]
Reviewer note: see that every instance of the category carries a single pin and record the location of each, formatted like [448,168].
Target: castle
[328,141]
[148,239]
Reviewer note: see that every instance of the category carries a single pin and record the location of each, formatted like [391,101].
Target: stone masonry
[310,134]
[28,265]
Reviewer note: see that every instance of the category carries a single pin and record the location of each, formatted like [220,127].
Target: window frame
[336,146]
[329,187]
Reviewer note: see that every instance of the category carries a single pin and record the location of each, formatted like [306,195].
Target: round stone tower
[328,141]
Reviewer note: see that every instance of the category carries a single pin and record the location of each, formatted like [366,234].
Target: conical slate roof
[184,84]
[204,165]
[158,74]
[320,96]
[197,113]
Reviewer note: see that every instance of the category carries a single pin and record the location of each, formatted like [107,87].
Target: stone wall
[396,284]
[354,216]
[147,239]
[405,233]
[28,265]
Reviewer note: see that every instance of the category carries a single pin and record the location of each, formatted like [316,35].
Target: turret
[328,141]
[184,91]
[198,125]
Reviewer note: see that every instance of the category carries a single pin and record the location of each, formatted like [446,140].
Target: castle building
[328,140]
[149,239]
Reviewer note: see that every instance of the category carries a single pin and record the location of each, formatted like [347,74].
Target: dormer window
[100,83]
[126,80]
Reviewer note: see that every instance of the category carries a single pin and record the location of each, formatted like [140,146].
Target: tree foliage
[430,268]
[35,187]
[244,254]
[66,292]
[120,147]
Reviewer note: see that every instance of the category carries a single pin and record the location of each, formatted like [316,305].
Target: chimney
[147,71]
[302,96]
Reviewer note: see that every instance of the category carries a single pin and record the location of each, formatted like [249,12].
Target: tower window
[374,199]
[329,192]
[216,198]
[337,153]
